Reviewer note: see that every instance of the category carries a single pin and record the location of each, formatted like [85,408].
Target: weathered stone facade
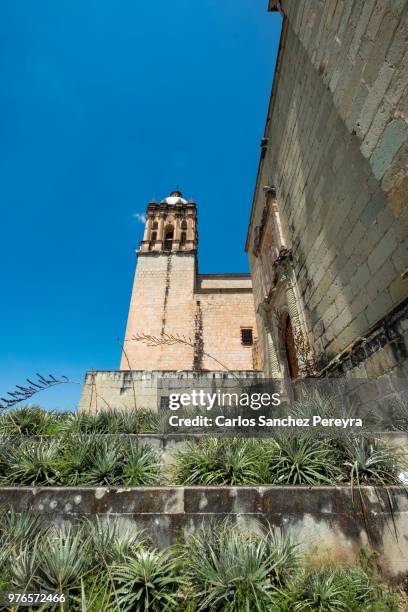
[206,313]
[327,238]
[143,390]
[170,297]
[327,521]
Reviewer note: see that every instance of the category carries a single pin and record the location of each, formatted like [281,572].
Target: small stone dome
[175,197]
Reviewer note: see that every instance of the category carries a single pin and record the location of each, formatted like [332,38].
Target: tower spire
[171,226]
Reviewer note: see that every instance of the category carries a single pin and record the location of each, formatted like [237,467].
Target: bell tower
[171,226]
[163,291]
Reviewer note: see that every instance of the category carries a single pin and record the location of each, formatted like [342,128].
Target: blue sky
[104,105]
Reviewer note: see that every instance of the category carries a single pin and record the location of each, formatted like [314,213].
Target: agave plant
[74,458]
[235,570]
[29,421]
[105,462]
[63,559]
[20,529]
[141,466]
[221,461]
[148,581]
[298,460]
[369,461]
[23,567]
[33,463]
[112,540]
[336,590]
[97,594]
[394,414]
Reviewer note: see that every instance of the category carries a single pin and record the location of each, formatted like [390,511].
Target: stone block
[393,137]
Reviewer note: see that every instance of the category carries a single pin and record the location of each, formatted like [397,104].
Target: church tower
[163,291]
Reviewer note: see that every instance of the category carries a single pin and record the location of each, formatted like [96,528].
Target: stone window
[247,338]
[168,240]
[152,240]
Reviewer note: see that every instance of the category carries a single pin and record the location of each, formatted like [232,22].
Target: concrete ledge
[325,518]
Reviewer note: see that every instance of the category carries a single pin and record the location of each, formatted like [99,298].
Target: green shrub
[336,590]
[222,461]
[111,422]
[23,567]
[104,462]
[35,421]
[32,463]
[30,421]
[287,460]
[106,565]
[113,540]
[78,459]
[302,460]
[150,580]
[63,559]
[368,461]
[233,570]
[141,466]
[19,529]
[74,457]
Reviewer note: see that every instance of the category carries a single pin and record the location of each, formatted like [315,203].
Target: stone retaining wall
[115,389]
[323,517]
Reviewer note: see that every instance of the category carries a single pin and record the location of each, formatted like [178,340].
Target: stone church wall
[335,149]
[169,298]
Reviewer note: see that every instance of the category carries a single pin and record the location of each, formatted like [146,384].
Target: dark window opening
[168,240]
[183,238]
[153,239]
[247,336]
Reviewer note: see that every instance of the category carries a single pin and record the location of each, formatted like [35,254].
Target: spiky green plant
[141,420]
[105,462]
[141,466]
[32,463]
[297,460]
[336,590]
[221,461]
[232,570]
[29,421]
[63,559]
[23,567]
[79,423]
[97,594]
[369,461]
[394,414]
[75,457]
[148,581]
[18,529]
[112,540]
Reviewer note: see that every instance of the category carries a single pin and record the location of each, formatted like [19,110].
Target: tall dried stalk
[138,416]
[23,393]
[170,339]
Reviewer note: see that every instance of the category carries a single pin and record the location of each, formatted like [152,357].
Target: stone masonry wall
[162,302]
[113,389]
[168,298]
[328,519]
[337,154]
[223,316]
